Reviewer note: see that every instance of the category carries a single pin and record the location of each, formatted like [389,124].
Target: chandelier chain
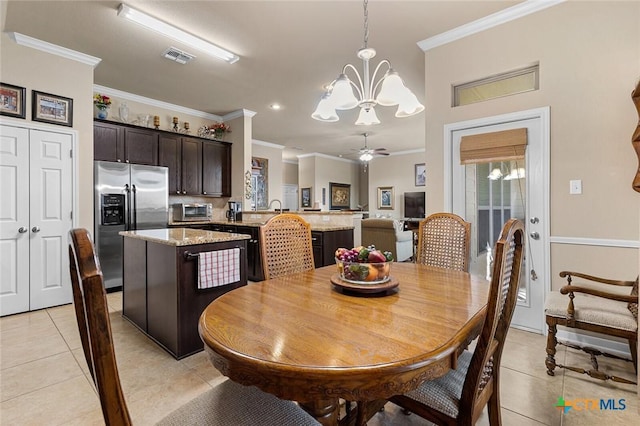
[366,24]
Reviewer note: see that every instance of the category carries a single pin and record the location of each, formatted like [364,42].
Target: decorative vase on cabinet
[103,111]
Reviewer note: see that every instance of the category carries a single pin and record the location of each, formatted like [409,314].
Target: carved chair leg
[633,347]
[550,362]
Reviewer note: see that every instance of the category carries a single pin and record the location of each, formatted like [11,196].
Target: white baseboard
[614,347]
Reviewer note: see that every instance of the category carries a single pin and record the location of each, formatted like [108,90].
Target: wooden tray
[364,288]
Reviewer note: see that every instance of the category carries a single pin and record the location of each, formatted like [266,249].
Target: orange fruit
[373,273]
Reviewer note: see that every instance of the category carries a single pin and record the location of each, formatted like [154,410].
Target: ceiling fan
[365,153]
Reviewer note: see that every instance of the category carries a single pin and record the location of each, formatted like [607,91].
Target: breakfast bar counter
[167,283]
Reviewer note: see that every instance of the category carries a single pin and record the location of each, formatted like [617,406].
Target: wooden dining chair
[459,397]
[444,241]
[228,403]
[285,245]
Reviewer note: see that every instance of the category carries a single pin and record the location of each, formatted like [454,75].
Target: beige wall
[589,59]
[289,173]
[316,171]
[397,171]
[36,70]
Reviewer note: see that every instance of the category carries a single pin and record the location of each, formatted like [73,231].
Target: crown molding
[267,144]
[514,12]
[330,157]
[239,113]
[290,162]
[410,151]
[154,102]
[53,49]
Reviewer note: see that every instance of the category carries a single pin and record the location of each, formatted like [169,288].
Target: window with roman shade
[494,146]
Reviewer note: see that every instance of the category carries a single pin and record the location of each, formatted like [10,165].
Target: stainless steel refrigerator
[127,197]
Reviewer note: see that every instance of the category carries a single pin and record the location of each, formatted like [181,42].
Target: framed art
[421,174]
[260,172]
[385,197]
[339,196]
[52,109]
[305,197]
[12,100]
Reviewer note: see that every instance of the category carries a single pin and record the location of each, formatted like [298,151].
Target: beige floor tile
[65,312]
[53,405]
[531,396]
[68,329]
[577,389]
[530,358]
[38,374]
[203,367]
[114,300]
[19,345]
[27,319]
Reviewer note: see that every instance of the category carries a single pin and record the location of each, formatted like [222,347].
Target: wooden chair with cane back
[228,403]
[458,397]
[594,304]
[444,241]
[286,245]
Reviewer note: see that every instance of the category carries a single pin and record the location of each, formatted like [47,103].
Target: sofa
[388,235]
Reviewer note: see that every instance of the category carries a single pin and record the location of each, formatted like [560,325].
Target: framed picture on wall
[339,196]
[421,174]
[52,109]
[305,197]
[385,197]
[12,100]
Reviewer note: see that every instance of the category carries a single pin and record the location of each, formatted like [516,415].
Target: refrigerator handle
[127,225]
[134,223]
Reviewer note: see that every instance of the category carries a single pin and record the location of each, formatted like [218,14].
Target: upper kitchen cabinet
[112,142]
[216,169]
[183,157]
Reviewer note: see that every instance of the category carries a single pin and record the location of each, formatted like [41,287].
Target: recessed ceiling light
[165,29]
[275,106]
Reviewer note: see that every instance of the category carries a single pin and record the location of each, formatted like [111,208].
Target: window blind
[495,146]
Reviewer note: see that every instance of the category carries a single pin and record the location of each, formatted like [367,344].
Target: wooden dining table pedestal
[302,338]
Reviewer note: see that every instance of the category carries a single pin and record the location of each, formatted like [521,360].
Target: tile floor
[44,379]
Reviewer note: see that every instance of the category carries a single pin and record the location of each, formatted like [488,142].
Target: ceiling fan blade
[381,153]
[380,149]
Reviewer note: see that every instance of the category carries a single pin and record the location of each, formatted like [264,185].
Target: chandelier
[389,90]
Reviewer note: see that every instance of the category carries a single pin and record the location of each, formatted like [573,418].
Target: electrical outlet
[575,187]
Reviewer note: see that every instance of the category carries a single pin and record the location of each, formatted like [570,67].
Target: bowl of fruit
[364,265]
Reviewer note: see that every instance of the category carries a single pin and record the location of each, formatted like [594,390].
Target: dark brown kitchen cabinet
[254,260]
[325,244]
[112,142]
[216,160]
[183,157]
[108,142]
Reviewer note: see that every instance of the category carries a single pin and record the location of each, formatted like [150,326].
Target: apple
[340,251]
[376,256]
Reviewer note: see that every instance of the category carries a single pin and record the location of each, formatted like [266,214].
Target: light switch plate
[575,187]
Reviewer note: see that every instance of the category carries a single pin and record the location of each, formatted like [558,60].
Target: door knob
[534,220]
[23,229]
[35,229]
[535,235]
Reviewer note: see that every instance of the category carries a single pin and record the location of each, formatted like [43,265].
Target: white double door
[35,217]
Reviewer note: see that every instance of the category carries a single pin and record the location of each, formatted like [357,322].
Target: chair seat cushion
[230,403]
[444,393]
[592,310]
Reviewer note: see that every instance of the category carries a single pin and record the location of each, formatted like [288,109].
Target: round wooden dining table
[302,338]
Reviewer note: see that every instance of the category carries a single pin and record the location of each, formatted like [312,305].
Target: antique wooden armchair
[285,244]
[596,304]
[228,403]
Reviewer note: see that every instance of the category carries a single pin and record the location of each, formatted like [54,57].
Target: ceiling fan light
[409,106]
[495,174]
[367,117]
[325,110]
[342,94]
[392,90]
[366,156]
[515,174]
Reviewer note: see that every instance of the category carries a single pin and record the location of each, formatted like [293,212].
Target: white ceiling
[288,50]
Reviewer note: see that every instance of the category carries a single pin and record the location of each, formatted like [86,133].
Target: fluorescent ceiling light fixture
[170,31]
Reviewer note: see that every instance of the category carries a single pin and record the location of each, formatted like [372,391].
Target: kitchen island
[161,294]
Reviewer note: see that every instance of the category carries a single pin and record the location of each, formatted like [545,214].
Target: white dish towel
[216,268]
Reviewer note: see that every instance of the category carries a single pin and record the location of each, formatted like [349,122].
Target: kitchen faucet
[273,201]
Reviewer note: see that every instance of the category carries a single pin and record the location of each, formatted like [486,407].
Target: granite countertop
[183,236]
[314,227]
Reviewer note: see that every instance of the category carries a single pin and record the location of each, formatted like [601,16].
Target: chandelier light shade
[387,90]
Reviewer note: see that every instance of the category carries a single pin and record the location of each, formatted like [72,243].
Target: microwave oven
[192,212]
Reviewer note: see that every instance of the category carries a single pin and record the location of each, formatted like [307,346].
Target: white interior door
[524,195]
[50,218]
[14,220]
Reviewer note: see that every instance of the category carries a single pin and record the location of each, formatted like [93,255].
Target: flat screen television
[414,205]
